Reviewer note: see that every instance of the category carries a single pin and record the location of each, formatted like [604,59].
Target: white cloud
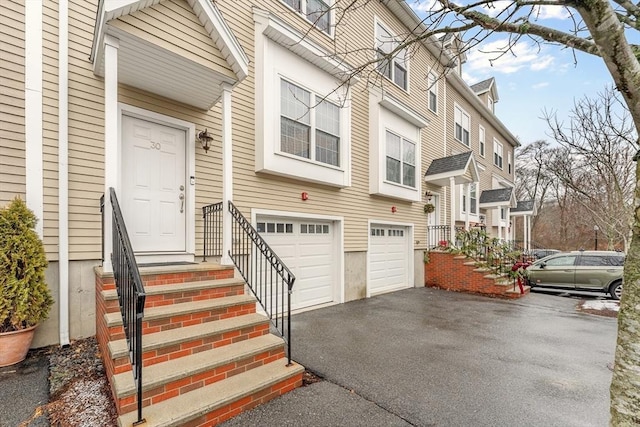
[487,59]
[551,12]
[540,85]
[424,5]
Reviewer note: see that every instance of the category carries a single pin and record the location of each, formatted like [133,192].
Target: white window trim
[509,163]
[498,148]
[405,63]
[463,195]
[482,141]
[433,88]
[463,113]
[303,15]
[320,76]
[401,160]
[408,125]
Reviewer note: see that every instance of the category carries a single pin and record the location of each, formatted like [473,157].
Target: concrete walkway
[427,357]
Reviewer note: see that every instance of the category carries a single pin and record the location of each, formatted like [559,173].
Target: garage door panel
[309,252]
[388,258]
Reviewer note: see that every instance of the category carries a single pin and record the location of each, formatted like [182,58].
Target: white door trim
[190,169]
[338,290]
[410,250]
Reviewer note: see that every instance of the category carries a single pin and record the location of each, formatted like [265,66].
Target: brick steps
[222,400]
[458,273]
[197,370]
[207,355]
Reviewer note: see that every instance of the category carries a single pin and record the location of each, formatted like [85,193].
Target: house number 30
[155,145]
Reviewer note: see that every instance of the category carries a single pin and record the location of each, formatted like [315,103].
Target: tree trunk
[625,385]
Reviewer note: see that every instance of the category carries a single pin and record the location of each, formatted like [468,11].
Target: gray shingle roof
[496,196]
[448,164]
[523,206]
[482,86]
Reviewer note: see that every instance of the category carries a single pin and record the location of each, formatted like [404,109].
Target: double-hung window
[309,125]
[462,122]
[433,92]
[509,162]
[401,160]
[473,196]
[316,11]
[392,67]
[481,142]
[497,154]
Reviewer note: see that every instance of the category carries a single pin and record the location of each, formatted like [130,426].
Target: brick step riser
[246,403]
[163,354]
[202,379]
[182,296]
[183,320]
[173,278]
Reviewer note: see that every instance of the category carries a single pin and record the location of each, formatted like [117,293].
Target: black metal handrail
[212,215]
[131,295]
[269,279]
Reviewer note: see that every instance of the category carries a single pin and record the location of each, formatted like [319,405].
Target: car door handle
[568,271]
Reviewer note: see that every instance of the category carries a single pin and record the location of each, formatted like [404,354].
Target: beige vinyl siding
[12,131]
[354,203]
[173,26]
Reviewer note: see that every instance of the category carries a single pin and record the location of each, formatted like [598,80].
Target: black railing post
[102,228]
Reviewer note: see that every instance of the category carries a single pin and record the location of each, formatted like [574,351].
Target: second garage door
[388,258]
[308,248]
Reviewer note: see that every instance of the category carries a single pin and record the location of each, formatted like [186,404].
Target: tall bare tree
[598,27]
[598,141]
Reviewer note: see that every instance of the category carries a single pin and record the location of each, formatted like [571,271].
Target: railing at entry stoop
[269,279]
[131,294]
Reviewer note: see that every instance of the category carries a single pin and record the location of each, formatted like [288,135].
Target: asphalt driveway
[427,357]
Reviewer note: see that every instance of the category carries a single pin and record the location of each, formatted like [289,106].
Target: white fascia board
[471,164]
[299,43]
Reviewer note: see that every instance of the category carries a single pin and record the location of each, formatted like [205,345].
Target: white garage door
[307,247]
[388,258]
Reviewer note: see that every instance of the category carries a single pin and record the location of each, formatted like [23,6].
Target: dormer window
[490,103]
[394,68]
[316,11]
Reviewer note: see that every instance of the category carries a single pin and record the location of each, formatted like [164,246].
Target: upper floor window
[503,213]
[481,144]
[433,92]
[401,160]
[311,133]
[473,198]
[509,162]
[462,122]
[316,11]
[394,68]
[497,154]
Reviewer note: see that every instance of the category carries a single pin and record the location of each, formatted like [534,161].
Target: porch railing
[269,279]
[440,235]
[131,295]
[212,215]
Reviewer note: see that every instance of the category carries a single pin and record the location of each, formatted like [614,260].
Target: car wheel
[616,290]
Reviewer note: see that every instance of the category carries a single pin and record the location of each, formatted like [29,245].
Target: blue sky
[536,78]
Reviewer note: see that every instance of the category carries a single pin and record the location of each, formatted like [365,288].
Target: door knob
[181,202]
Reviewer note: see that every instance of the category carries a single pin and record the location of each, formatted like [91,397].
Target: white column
[499,210]
[528,232]
[111,145]
[467,193]
[227,174]
[525,244]
[452,219]
[34,196]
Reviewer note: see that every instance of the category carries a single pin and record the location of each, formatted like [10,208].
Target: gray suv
[599,271]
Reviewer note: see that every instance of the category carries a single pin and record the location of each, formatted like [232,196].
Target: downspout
[444,137]
[63,169]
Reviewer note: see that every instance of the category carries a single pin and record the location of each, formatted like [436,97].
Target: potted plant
[25,299]
[429,208]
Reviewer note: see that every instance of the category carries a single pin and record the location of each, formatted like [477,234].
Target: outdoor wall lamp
[205,139]
[428,195]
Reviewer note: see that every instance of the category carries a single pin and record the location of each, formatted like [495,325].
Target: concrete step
[195,371]
[165,294]
[166,345]
[222,400]
[166,317]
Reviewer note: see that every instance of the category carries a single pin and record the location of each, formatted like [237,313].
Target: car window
[617,261]
[561,261]
[594,261]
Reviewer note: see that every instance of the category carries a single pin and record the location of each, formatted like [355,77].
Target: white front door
[388,258]
[153,185]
